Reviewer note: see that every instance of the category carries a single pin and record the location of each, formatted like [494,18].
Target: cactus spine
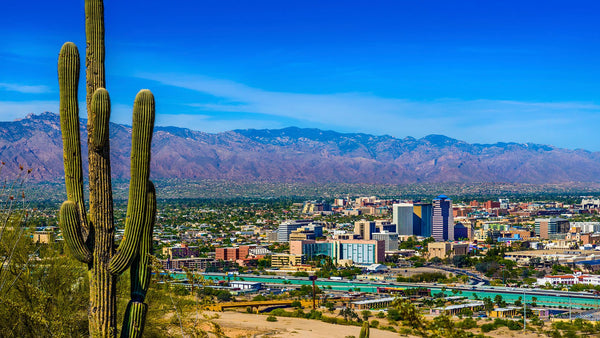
[90,236]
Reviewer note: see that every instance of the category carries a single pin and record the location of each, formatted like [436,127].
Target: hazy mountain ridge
[304,155]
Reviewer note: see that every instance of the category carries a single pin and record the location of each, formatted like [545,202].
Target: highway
[509,294]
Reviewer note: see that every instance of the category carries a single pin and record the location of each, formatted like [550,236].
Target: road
[545,297]
[476,278]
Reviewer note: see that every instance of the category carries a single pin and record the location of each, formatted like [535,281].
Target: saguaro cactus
[90,236]
[364,331]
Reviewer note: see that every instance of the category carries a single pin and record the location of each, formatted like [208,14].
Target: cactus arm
[140,268]
[140,272]
[134,320]
[68,80]
[101,115]
[69,224]
[141,139]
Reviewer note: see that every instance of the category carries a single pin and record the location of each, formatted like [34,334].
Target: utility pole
[524,312]
[570,307]
[313,278]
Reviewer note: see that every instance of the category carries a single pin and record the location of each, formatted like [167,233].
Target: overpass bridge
[255,305]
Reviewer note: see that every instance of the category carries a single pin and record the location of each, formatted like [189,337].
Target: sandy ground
[236,324]
[505,332]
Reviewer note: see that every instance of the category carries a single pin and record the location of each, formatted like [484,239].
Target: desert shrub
[485,328]
[467,323]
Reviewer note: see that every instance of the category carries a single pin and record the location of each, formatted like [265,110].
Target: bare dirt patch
[236,324]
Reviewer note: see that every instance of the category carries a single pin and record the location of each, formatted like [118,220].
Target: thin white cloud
[483,121]
[15,87]
[563,124]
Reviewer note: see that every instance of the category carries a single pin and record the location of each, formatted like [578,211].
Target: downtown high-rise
[422,221]
[443,220]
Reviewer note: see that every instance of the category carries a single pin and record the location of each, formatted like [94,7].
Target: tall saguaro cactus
[90,235]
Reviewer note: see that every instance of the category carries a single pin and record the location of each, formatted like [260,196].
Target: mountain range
[302,155]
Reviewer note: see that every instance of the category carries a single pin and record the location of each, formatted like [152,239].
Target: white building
[245,285]
[576,278]
[586,227]
[403,218]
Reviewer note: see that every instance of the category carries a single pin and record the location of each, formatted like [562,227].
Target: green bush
[393,314]
[180,290]
[314,314]
[485,328]
[224,296]
[467,323]
[259,298]
[330,320]
[271,319]
[514,325]
[279,312]
[405,331]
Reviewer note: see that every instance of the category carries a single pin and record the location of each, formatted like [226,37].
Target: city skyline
[503,72]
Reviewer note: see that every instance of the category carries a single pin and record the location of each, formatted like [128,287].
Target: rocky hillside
[304,155]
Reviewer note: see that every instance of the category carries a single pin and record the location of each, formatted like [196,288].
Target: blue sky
[479,71]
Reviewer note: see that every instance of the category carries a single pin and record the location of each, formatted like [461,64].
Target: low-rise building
[181,251]
[195,263]
[456,309]
[378,303]
[43,237]
[504,312]
[447,249]
[551,228]
[286,260]
[569,279]
[233,253]
[390,239]
[255,286]
[361,252]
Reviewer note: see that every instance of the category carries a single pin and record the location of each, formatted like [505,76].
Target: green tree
[408,313]
[40,289]
[436,260]
[499,301]
[488,304]
[461,261]
[46,298]
[224,296]
[519,302]
[348,314]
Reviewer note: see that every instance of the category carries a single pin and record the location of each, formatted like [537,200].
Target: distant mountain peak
[303,155]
